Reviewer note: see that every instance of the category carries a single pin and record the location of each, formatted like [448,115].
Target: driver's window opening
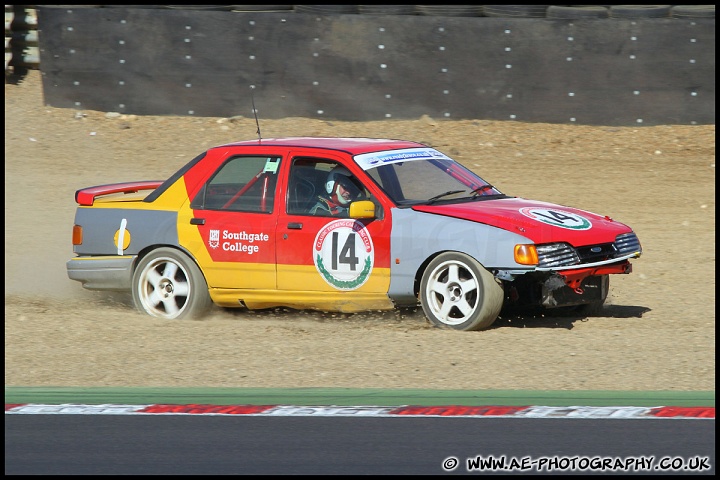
[322,187]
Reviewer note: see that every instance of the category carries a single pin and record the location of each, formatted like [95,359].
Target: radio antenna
[252,98]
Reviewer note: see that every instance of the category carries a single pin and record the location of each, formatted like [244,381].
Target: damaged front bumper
[560,288]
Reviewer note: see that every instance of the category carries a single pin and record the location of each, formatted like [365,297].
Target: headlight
[550,255]
[557,255]
[627,243]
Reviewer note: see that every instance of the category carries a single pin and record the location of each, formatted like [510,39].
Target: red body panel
[296,252]
[276,237]
[508,214]
[353,146]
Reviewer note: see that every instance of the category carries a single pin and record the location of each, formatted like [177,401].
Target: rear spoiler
[86,196]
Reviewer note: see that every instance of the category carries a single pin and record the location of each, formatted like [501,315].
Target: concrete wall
[609,71]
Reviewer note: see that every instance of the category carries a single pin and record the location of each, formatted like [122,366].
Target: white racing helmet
[342,176]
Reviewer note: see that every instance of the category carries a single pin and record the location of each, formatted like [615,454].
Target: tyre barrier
[524,11]
[450,10]
[326,9]
[21,38]
[386,9]
[21,30]
[560,12]
[261,8]
[199,61]
[693,11]
[640,11]
[213,8]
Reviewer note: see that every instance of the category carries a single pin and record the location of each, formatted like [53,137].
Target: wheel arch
[419,237]
[149,248]
[424,265]
[421,270]
[158,296]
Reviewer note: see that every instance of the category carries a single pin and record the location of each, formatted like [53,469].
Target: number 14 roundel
[343,253]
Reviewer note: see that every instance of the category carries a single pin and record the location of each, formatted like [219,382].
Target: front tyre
[457,292]
[168,284]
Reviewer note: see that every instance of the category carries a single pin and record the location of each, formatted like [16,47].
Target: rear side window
[241,184]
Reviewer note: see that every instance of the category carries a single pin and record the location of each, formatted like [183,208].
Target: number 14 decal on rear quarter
[558,218]
[343,254]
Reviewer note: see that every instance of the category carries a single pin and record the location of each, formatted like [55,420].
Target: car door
[235,213]
[323,253]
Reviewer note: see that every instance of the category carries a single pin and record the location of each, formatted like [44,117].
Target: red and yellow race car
[341,224]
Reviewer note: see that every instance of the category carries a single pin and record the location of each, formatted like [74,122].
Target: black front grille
[597,253]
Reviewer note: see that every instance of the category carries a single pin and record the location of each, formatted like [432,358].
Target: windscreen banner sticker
[557,218]
[344,254]
[376,159]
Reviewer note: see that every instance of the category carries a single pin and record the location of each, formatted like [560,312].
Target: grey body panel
[146,227]
[417,236]
[102,273]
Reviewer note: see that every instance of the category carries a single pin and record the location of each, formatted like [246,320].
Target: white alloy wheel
[168,284]
[459,293]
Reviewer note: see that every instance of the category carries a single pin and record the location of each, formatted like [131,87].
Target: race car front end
[561,256]
[563,275]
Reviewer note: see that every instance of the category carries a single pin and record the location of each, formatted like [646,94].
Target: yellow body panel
[244,275]
[336,301]
[314,295]
[257,282]
[307,277]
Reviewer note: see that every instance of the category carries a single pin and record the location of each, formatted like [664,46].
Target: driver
[341,188]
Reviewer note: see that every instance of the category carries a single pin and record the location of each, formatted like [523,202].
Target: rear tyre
[168,284]
[457,292]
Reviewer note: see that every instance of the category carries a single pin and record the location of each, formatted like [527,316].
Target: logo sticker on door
[343,253]
[557,218]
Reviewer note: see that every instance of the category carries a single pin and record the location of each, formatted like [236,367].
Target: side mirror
[362,209]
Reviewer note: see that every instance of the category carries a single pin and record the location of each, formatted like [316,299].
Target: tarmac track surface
[344,431]
[264,445]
